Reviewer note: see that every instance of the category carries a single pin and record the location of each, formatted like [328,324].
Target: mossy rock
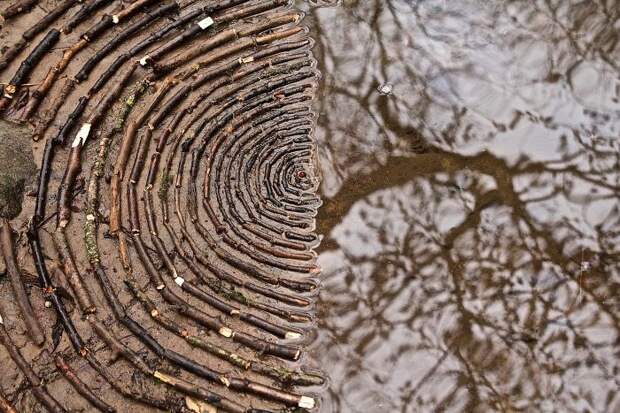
[17,167]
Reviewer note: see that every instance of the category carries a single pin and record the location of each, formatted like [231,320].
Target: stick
[38,389]
[85,11]
[27,65]
[34,30]
[32,323]
[106,22]
[80,386]
[19,7]
[284,375]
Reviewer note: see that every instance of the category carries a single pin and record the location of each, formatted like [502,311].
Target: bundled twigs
[140,24]
[27,65]
[32,323]
[87,37]
[34,30]
[283,375]
[37,387]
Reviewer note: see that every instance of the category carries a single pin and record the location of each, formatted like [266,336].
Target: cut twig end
[292,335]
[226,332]
[306,402]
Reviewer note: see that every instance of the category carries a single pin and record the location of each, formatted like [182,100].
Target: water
[471,223]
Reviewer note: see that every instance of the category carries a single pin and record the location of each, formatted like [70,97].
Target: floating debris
[385,89]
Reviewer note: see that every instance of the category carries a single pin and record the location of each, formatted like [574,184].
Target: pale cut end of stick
[226,332]
[292,335]
[206,22]
[82,135]
[198,406]
[161,376]
[316,270]
[306,402]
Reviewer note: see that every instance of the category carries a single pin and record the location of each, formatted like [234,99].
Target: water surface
[470,161]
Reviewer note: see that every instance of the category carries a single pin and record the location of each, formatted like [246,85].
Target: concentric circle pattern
[171,224]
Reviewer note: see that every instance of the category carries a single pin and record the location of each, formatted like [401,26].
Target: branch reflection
[472,217]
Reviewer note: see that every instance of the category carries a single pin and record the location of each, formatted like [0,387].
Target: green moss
[90,238]
[130,102]
[166,181]
[235,295]
[228,292]
[99,165]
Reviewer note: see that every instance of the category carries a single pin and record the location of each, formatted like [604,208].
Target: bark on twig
[37,387]
[32,323]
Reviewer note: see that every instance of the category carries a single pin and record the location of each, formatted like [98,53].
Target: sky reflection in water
[471,222]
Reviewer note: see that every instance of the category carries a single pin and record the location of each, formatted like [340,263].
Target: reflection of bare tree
[472,219]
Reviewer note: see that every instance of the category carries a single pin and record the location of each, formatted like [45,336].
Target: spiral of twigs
[190,123]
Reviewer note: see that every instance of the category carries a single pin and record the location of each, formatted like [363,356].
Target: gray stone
[17,167]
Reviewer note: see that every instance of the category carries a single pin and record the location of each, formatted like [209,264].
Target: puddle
[471,216]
